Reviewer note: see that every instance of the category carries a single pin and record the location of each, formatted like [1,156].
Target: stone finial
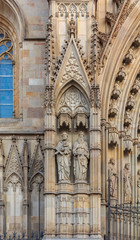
[72,25]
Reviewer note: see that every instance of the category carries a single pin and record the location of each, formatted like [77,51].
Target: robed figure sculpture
[81,156]
[63,154]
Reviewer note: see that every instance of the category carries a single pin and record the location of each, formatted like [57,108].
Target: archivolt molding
[118,49]
[119,86]
[115,22]
[14,7]
[130,58]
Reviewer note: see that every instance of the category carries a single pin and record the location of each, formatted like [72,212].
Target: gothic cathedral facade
[69,115]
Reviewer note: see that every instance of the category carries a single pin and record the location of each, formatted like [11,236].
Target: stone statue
[138,184]
[127,176]
[81,156]
[112,172]
[63,154]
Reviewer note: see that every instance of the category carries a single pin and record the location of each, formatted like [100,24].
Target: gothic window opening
[37,203]
[6,75]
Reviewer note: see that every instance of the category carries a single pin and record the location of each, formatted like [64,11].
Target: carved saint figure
[113,177]
[81,156]
[138,184]
[127,176]
[63,153]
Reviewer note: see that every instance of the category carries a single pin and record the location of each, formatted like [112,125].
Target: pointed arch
[116,54]
[11,10]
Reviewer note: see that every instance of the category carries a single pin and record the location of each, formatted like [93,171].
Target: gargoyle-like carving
[110,18]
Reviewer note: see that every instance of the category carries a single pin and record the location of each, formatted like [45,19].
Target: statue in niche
[81,156]
[138,184]
[127,176]
[112,172]
[63,154]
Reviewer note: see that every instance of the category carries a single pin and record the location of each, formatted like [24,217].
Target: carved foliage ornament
[72,71]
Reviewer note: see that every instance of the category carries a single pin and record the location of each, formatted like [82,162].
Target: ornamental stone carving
[136,86]
[63,155]
[136,42]
[116,91]
[113,137]
[131,102]
[72,71]
[127,118]
[127,176]
[81,119]
[64,119]
[112,172]
[72,102]
[81,156]
[128,144]
[121,75]
[128,58]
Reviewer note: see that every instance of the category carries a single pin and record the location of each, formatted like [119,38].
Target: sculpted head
[81,134]
[112,161]
[64,136]
[127,166]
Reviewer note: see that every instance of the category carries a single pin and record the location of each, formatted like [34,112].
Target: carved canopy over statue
[63,153]
[127,176]
[81,156]
[113,178]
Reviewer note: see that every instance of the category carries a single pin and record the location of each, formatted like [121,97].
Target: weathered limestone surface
[76,119]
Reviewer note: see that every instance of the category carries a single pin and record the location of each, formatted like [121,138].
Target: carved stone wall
[77,120]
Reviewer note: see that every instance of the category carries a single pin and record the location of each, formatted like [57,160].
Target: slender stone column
[1,190]
[50,177]
[103,165]
[121,165]
[134,171]
[95,168]
[25,201]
